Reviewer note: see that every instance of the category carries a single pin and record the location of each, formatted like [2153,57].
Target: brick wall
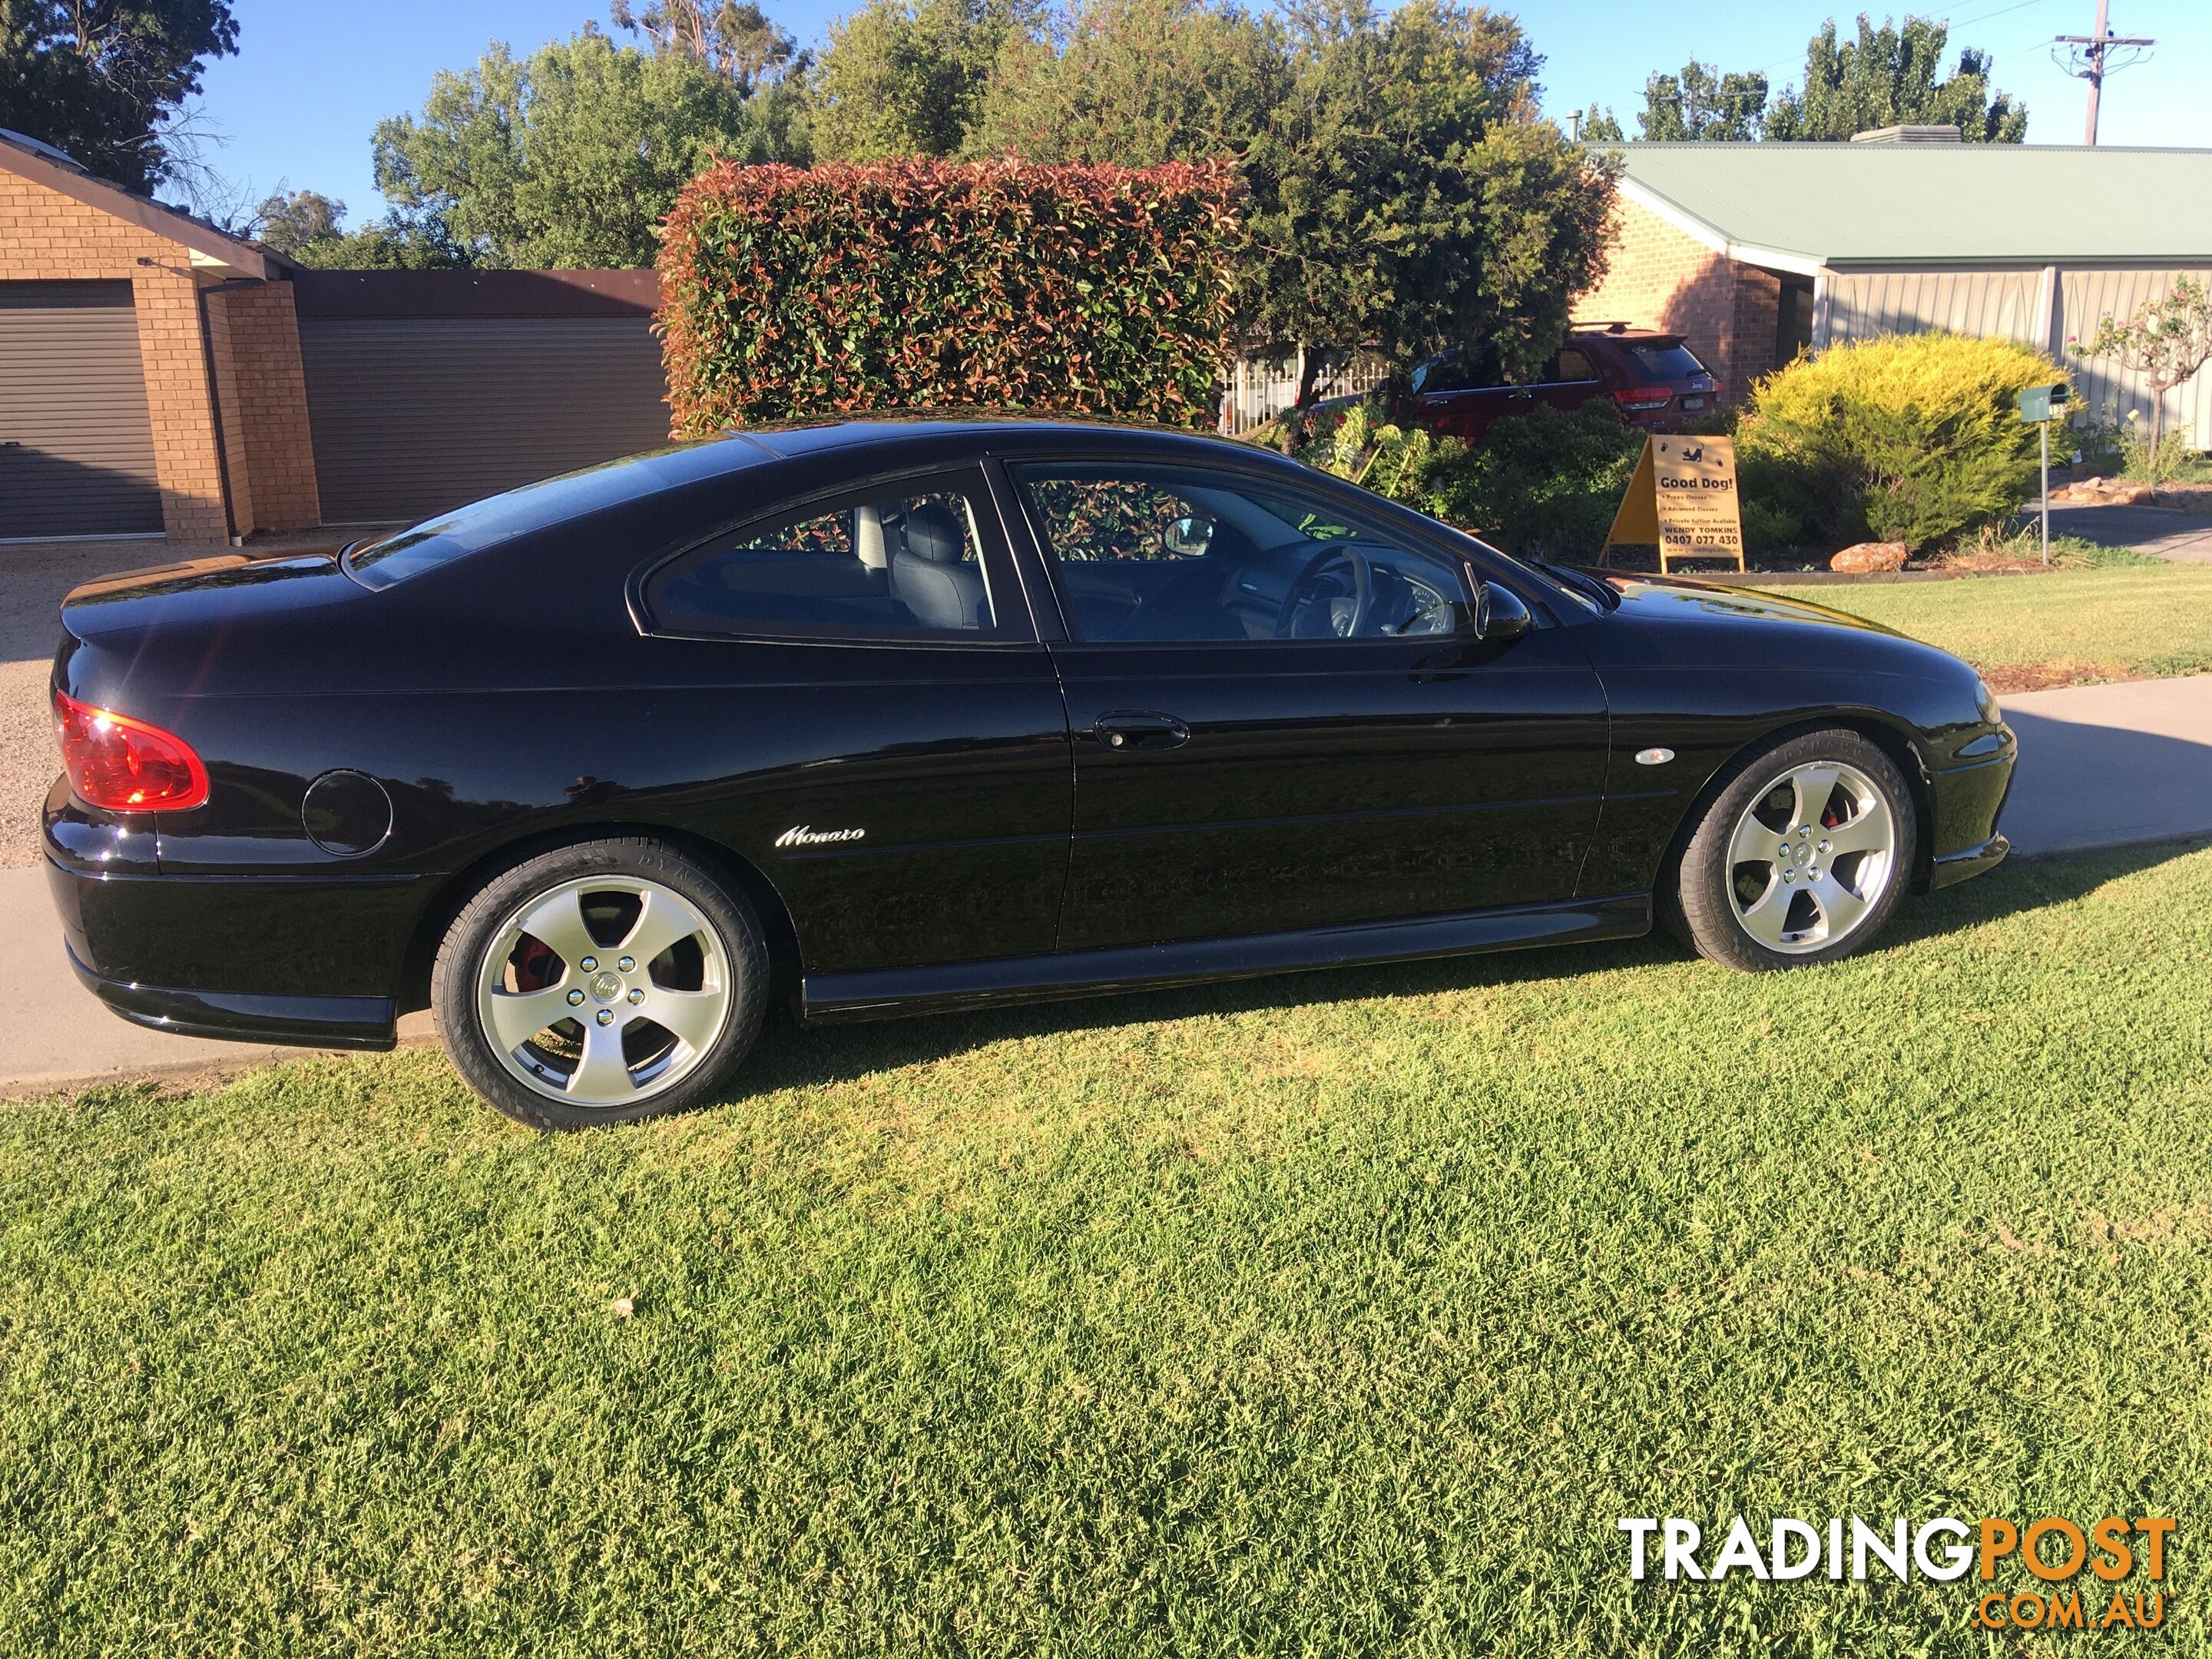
[1664,279]
[1757,315]
[222,355]
[45,236]
[254,332]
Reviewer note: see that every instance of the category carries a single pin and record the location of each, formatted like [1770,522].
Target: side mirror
[1497,613]
[1187,538]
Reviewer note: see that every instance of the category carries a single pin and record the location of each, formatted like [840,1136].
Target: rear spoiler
[120,579]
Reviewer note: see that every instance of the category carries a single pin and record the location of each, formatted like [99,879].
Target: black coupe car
[894,715]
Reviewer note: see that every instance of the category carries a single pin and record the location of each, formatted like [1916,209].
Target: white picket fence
[1259,389]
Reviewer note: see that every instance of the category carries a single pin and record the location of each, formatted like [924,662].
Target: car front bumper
[1968,800]
[1971,861]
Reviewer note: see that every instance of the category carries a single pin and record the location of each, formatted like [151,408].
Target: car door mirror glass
[1187,538]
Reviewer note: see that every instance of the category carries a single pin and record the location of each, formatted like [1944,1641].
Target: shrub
[2141,461]
[1912,438]
[911,284]
[1545,484]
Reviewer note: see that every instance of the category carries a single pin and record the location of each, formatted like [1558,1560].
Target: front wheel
[603,982]
[1802,856]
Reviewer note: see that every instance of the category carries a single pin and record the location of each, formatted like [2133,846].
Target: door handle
[1139,728]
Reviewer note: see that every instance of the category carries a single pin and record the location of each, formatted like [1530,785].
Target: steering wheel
[1307,588]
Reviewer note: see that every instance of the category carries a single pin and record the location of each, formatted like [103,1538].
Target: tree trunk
[2157,430]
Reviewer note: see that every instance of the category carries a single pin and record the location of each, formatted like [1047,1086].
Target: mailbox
[2042,403]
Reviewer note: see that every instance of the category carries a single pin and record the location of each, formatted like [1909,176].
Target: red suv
[1653,379]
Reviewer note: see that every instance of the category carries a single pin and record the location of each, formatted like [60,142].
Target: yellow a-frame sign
[1683,500]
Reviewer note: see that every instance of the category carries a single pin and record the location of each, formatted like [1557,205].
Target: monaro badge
[805,834]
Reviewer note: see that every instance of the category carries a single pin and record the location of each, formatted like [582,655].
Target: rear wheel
[603,983]
[1801,858]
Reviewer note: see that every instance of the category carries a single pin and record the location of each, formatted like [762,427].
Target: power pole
[2087,60]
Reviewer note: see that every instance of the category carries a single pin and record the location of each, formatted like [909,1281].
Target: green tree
[398,241]
[1892,76]
[733,37]
[1701,103]
[1407,193]
[1139,82]
[908,77]
[570,158]
[1602,126]
[291,219]
[105,80]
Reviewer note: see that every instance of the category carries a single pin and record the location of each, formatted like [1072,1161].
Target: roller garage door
[76,446]
[427,389]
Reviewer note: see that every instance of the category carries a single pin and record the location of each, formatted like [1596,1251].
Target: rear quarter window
[479,525]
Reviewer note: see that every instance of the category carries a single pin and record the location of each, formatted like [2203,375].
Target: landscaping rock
[2106,492]
[1863,558]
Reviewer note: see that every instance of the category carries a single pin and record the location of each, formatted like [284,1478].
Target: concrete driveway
[2185,538]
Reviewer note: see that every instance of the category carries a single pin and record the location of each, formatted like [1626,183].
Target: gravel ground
[33,578]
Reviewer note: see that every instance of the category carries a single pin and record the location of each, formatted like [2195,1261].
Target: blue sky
[311,79]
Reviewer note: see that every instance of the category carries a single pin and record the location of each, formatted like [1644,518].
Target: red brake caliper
[535,966]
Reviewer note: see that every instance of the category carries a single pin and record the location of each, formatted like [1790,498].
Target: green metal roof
[1935,204]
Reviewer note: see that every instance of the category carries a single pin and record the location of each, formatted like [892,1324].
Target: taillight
[1642,400]
[123,765]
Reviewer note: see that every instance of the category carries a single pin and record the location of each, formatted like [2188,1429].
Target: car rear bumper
[197,958]
[232,1017]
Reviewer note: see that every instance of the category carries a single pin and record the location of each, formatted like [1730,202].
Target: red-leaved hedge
[911,284]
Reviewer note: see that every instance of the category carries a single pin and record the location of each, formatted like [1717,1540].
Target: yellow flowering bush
[1906,437]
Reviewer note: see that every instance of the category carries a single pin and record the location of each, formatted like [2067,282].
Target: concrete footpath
[2107,765]
[2101,766]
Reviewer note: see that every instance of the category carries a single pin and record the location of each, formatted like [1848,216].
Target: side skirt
[829,998]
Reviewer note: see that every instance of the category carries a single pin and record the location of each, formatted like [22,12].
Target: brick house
[159,378]
[150,367]
[1755,252]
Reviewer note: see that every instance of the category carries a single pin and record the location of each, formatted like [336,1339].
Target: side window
[906,562]
[1187,556]
[1572,365]
[1471,368]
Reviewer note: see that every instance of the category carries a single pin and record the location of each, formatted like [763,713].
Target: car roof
[982,428]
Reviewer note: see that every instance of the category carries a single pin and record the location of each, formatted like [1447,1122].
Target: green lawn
[2097,624]
[1334,1316]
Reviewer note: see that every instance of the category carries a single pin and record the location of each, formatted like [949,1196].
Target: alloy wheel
[605,991]
[1811,856]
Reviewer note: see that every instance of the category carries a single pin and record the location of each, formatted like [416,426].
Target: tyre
[600,983]
[1800,858]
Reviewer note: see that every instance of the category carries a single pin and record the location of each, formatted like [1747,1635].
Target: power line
[2086,59]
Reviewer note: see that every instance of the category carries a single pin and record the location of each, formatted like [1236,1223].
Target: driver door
[1268,738]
